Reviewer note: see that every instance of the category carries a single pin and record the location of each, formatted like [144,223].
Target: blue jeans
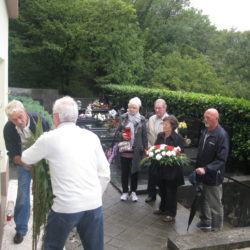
[22,207]
[89,226]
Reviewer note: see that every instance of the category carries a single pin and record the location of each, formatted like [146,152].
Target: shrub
[234,113]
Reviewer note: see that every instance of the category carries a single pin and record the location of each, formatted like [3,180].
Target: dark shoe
[18,238]
[159,212]
[150,198]
[203,225]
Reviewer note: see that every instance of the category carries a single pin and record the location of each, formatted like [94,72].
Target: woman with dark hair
[169,177]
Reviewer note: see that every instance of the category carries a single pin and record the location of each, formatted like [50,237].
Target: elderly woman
[169,178]
[134,142]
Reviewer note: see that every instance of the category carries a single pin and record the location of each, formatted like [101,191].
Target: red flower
[157,146]
[170,148]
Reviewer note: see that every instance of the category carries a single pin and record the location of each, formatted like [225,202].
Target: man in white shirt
[154,127]
[79,174]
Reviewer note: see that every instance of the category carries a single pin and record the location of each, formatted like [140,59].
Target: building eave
[12,8]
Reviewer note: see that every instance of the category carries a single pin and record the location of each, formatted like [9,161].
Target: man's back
[76,160]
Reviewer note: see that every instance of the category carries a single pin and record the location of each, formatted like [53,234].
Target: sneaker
[124,197]
[203,225]
[134,197]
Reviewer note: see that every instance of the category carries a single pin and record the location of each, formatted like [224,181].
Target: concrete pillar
[4,27]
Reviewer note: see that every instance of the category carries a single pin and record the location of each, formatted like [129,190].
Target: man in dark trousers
[210,167]
[17,130]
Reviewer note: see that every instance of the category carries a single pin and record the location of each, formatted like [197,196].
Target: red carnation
[170,148]
[157,146]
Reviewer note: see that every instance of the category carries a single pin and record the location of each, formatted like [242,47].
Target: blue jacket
[213,156]
[12,138]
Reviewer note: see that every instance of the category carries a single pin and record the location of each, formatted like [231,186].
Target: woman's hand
[125,136]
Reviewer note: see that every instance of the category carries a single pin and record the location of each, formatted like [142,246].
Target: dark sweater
[12,138]
[173,174]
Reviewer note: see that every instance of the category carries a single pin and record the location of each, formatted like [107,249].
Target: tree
[185,73]
[65,43]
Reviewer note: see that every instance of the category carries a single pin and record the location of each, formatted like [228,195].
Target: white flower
[157,151]
[150,154]
[162,146]
[177,149]
[169,153]
[151,148]
[173,153]
[100,117]
[158,157]
[163,153]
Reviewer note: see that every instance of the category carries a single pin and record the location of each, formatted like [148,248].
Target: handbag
[124,146]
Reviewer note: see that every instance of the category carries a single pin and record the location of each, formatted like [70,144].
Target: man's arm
[17,160]
[221,154]
[220,158]
[12,140]
[102,166]
[36,152]
[150,134]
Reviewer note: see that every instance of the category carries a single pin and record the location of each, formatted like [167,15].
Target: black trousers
[126,173]
[152,183]
[168,193]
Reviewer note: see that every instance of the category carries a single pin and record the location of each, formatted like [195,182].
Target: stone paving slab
[133,226]
[230,239]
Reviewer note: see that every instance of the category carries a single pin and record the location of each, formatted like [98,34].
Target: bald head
[211,118]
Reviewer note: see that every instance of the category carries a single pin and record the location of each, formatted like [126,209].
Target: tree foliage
[74,45]
[63,42]
[185,73]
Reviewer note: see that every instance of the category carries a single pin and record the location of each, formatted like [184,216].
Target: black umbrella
[195,204]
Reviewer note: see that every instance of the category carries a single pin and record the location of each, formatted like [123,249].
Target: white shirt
[78,167]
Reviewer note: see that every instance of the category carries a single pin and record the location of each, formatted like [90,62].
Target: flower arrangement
[100,117]
[98,104]
[166,155]
[182,128]
[112,123]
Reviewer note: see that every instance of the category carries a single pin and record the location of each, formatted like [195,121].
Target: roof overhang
[12,8]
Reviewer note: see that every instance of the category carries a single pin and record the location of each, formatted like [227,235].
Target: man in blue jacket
[17,130]
[210,167]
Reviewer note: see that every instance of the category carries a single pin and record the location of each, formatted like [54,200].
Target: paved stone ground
[9,227]
[127,225]
[133,226]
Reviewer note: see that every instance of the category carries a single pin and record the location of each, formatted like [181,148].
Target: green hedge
[33,106]
[234,113]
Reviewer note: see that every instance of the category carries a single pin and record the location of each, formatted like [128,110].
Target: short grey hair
[162,101]
[14,107]
[66,108]
[135,101]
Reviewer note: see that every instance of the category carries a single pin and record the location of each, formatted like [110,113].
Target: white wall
[4,27]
